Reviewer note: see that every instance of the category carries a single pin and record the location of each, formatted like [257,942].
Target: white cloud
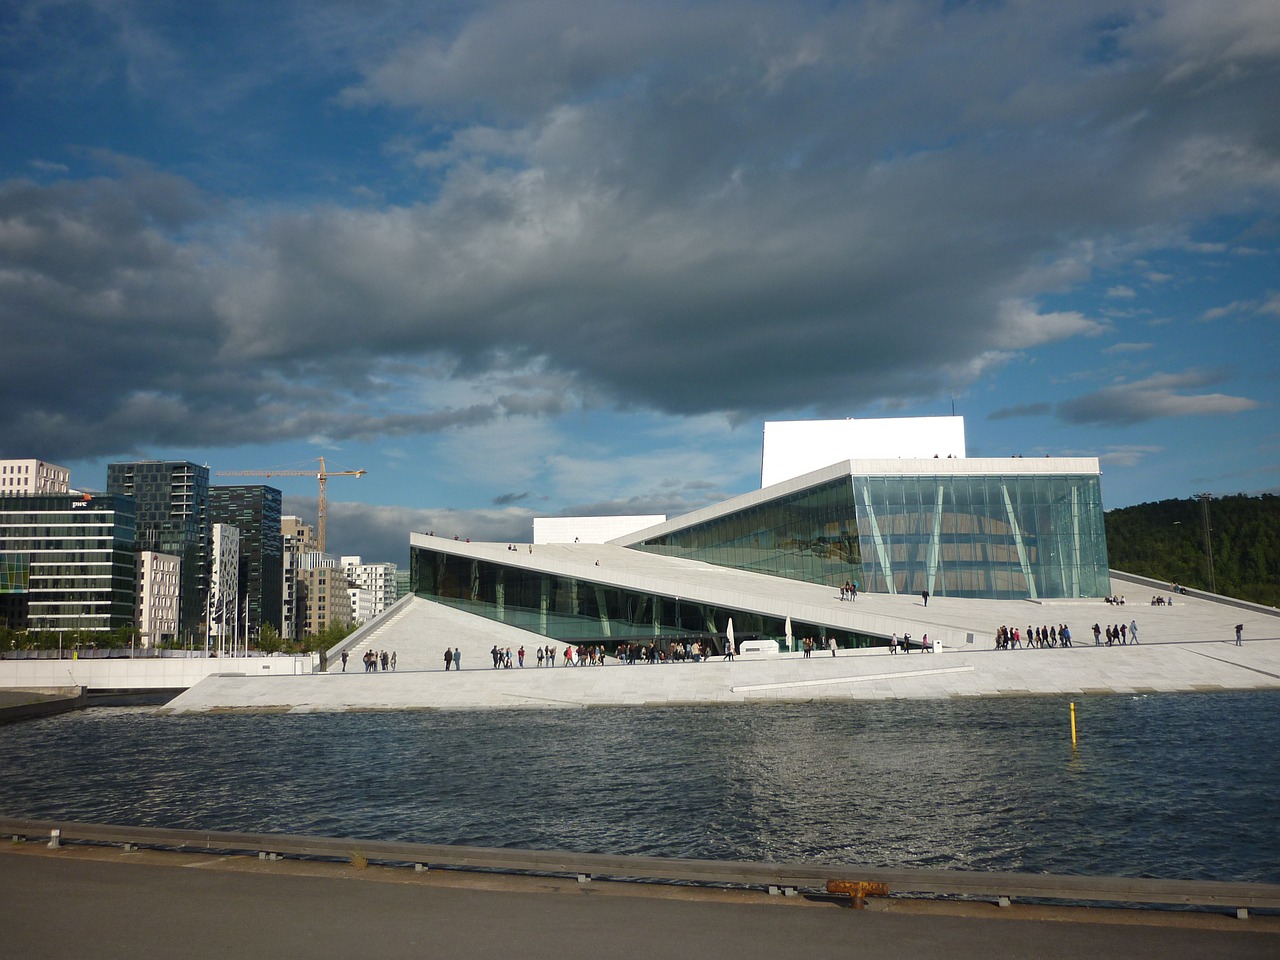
[1127,455]
[1022,325]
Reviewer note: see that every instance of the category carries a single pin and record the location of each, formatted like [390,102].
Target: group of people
[372,659]
[808,645]
[1051,636]
[1117,633]
[849,591]
[677,652]
[1159,601]
[452,658]
[546,656]
[1115,601]
[903,643]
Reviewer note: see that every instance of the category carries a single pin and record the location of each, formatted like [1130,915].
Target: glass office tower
[254,510]
[67,562]
[172,499]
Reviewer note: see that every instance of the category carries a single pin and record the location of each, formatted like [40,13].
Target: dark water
[1179,786]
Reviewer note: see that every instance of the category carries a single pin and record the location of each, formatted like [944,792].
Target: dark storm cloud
[1160,395]
[507,499]
[714,207]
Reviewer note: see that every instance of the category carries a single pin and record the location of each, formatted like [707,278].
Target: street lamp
[1204,499]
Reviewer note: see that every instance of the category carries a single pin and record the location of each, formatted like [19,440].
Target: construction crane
[322,476]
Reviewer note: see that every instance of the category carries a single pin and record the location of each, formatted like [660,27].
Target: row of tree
[1166,540]
[269,640]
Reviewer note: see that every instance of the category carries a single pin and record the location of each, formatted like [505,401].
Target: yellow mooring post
[1073,725]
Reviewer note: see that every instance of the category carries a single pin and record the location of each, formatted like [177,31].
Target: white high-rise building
[361,603]
[33,477]
[224,593]
[159,590]
[379,579]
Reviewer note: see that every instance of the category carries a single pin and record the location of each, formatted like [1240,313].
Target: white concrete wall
[144,674]
[589,529]
[795,447]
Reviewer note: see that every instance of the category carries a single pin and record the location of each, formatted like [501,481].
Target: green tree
[1165,540]
[269,640]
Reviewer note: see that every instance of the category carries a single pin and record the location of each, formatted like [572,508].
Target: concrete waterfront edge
[17,705]
[997,887]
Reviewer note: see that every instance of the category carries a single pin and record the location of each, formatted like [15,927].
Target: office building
[158,597]
[33,477]
[67,562]
[254,510]
[172,499]
[225,616]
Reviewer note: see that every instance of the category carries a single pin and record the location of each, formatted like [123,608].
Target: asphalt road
[103,903]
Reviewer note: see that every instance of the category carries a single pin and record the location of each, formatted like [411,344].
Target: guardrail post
[55,838]
[1002,902]
[1242,913]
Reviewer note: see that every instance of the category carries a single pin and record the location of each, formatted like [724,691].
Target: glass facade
[254,510]
[810,535]
[172,499]
[990,536]
[575,610]
[67,562]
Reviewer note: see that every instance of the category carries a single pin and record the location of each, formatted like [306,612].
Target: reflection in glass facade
[810,535]
[990,536]
[575,610]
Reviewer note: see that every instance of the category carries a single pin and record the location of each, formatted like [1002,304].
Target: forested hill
[1165,540]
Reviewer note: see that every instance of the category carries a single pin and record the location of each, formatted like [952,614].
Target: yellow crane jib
[321,475]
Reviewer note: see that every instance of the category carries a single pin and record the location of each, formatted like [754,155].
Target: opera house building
[893,506]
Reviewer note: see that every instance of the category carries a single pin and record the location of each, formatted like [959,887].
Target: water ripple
[1163,786]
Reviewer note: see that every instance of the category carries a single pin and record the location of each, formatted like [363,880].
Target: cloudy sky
[557,257]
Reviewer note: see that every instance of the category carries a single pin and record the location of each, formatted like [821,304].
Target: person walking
[448,659]
[833,644]
[925,594]
[1133,631]
[393,661]
[344,661]
[1239,634]
[457,659]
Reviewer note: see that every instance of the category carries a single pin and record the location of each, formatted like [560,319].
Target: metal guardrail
[778,877]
